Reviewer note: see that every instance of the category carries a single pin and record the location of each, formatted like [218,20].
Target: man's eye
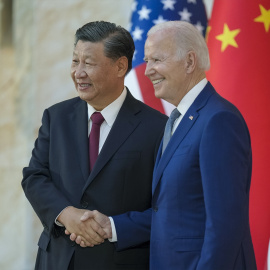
[92,64]
[156,60]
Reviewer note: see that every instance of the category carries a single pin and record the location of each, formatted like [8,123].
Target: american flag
[145,14]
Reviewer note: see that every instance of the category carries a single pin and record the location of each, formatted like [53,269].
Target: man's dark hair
[116,39]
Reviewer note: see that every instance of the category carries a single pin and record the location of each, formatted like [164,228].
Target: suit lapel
[182,130]
[179,134]
[124,125]
[79,120]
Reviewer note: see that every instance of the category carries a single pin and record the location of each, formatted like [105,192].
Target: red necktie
[97,120]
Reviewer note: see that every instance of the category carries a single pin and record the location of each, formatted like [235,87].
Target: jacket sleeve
[132,228]
[46,199]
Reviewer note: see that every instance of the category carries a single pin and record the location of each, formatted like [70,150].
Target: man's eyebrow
[75,53]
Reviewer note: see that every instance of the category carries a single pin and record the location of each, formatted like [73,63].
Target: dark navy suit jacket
[58,176]
[200,194]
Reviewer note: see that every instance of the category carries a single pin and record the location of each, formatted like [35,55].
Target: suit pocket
[44,241]
[187,244]
[127,155]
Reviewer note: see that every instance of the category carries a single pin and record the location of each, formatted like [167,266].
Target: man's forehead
[87,48]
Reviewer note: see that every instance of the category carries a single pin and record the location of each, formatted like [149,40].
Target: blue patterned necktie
[168,129]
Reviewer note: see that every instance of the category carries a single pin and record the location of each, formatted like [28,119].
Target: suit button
[155,208]
[84,204]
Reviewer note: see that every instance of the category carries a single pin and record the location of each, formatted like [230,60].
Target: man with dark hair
[96,151]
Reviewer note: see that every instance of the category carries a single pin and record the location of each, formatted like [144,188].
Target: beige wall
[34,74]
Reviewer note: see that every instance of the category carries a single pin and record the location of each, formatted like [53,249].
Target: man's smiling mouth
[157,81]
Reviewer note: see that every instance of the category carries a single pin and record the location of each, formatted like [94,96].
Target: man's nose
[149,70]
[80,72]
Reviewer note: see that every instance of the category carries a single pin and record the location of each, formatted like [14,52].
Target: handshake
[87,228]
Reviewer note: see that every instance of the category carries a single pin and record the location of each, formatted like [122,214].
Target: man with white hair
[200,192]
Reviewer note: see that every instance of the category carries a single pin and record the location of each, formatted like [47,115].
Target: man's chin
[158,93]
[84,96]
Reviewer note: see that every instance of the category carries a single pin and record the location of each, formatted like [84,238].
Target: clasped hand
[86,228]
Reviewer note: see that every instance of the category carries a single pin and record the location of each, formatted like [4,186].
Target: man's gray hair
[188,38]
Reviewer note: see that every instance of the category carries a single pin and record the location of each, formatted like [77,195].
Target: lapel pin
[191,117]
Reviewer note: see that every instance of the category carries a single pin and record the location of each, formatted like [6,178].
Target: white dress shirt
[109,113]
[187,101]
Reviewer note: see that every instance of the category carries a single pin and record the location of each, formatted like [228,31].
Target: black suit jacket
[58,176]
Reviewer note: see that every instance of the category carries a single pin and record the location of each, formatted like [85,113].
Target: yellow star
[227,37]
[208,29]
[264,18]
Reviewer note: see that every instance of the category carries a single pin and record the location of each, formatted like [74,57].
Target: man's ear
[122,65]
[191,61]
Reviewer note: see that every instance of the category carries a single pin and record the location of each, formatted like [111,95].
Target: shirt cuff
[57,222]
[114,235]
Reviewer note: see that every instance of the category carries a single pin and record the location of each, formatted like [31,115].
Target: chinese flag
[239,45]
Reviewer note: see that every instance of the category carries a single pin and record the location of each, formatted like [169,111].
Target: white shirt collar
[189,98]
[110,112]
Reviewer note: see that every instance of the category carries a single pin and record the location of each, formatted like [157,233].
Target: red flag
[239,46]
